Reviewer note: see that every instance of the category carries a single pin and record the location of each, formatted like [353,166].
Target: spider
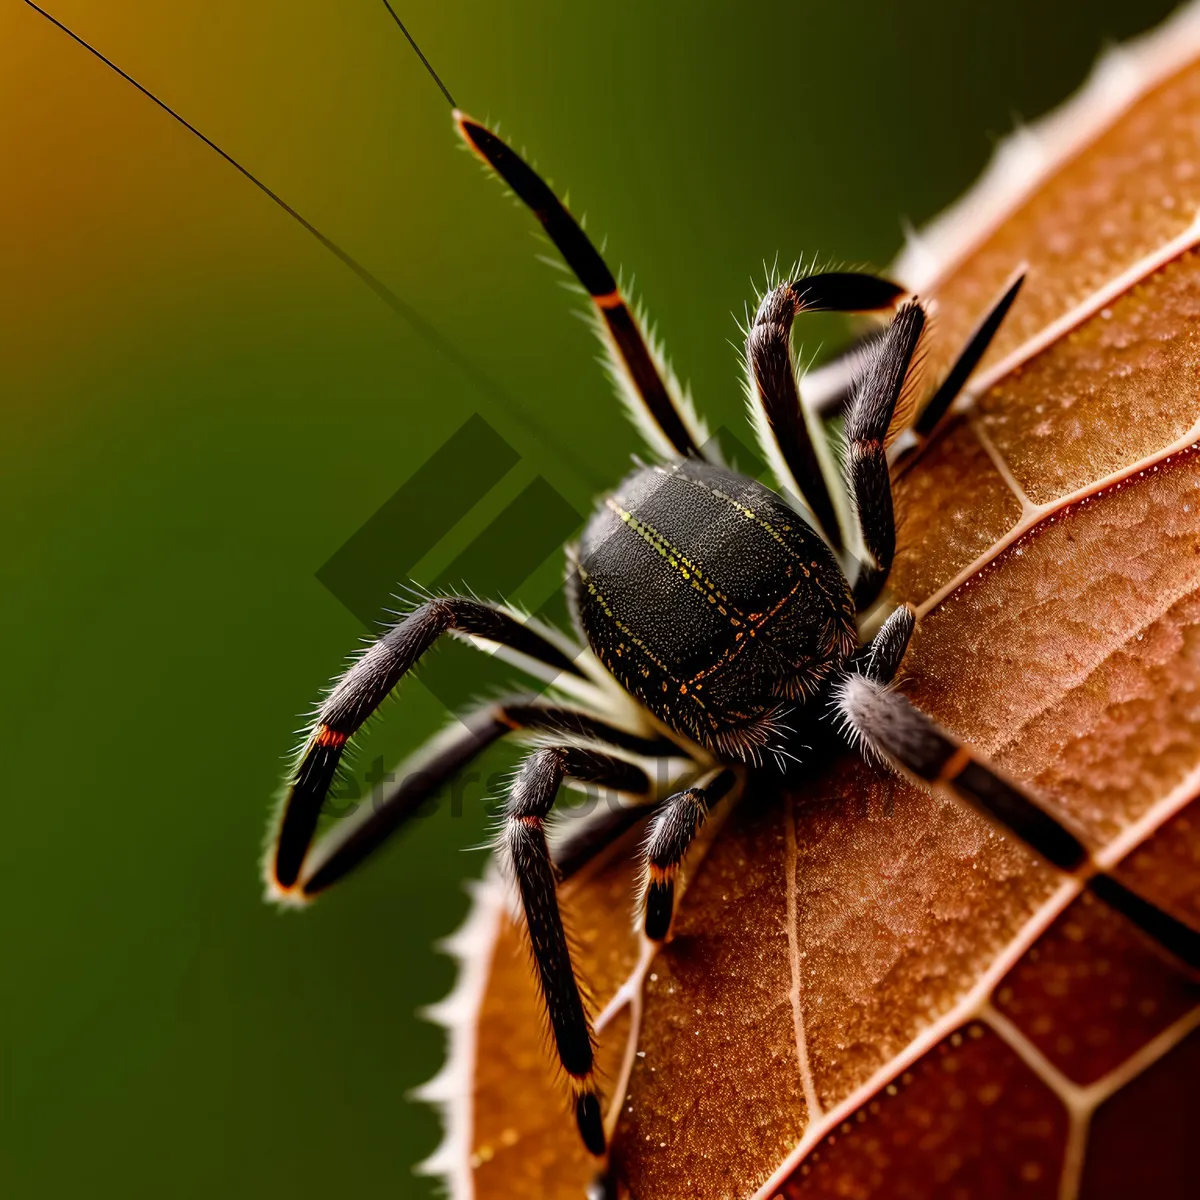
[719,624]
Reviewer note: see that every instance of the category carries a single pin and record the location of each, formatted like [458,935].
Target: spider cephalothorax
[717,618]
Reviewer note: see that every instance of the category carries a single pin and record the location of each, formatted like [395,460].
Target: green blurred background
[201,405]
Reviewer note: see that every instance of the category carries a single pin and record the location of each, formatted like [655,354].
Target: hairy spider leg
[632,357]
[367,683]
[574,847]
[672,830]
[881,722]
[881,657]
[880,390]
[842,368]
[353,839]
[772,376]
[533,795]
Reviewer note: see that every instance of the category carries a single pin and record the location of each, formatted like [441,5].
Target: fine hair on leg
[524,840]
[881,722]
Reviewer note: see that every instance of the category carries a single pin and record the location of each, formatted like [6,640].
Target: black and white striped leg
[533,795]
[883,722]
[773,375]
[956,378]
[631,356]
[877,394]
[354,838]
[672,830]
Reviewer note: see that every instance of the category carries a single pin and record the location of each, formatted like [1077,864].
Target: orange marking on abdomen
[329,737]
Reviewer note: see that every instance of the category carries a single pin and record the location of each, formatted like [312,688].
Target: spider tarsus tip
[466,124]
[590,1120]
[292,897]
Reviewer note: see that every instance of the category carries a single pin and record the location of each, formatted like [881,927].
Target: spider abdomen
[712,601]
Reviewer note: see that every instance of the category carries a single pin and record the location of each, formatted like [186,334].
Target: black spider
[721,634]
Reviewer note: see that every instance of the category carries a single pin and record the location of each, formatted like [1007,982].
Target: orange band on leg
[955,765]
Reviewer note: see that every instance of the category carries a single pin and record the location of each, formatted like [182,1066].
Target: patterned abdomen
[712,601]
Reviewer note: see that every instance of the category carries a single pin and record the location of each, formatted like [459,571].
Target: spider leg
[533,795]
[632,358]
[572,849]
[364,687]
[827,390]
[672,830]
[356,837]
[883,722]
[879,391]
[939,403]
[881,657]
[772,375]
